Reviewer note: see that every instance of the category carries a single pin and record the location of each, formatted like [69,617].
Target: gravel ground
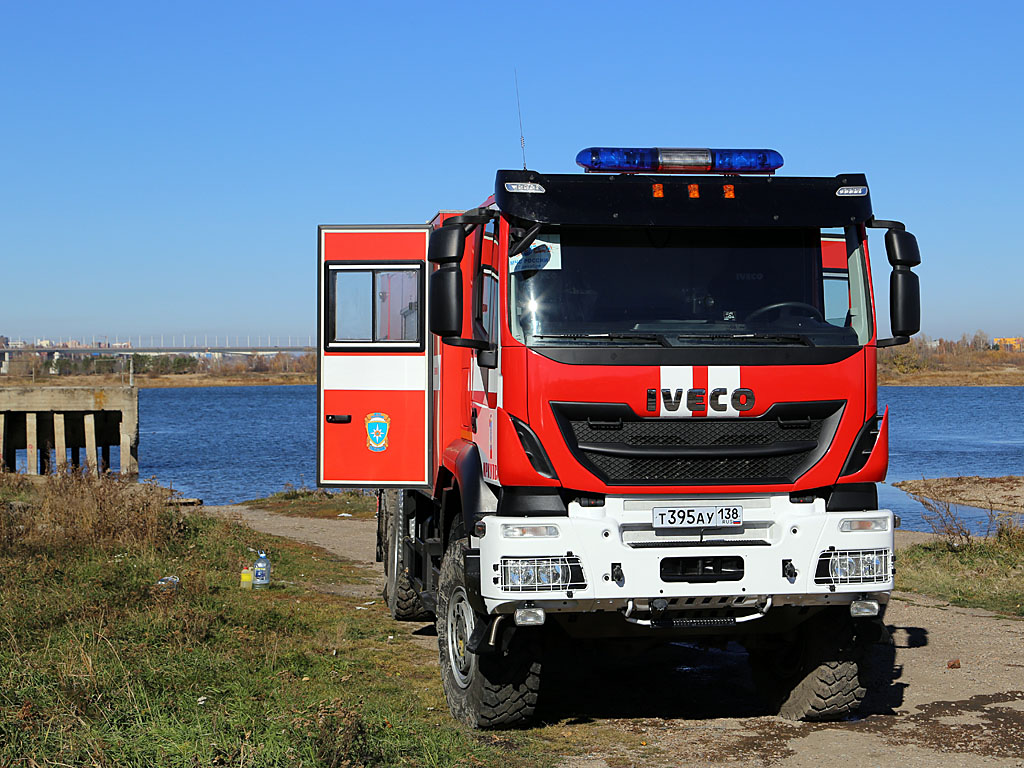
[696,707]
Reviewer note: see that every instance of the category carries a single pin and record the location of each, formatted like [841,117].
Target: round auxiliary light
[844,567]
[661,160]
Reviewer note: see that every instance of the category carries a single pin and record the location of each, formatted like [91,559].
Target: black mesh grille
[616,425]
[694,432]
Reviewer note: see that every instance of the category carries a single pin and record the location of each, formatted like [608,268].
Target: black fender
[477,497]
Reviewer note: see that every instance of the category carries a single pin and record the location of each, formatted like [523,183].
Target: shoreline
[1000,377]
[999,494]
[168,381]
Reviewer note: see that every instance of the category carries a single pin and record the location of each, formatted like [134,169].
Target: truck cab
[638,402]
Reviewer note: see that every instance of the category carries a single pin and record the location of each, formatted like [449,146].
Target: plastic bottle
[246,581]
[261,571]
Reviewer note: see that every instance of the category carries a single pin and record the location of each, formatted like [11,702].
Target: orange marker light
[730,191]
[657,190]
[694,190]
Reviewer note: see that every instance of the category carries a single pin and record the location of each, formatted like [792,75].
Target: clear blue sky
[165,165]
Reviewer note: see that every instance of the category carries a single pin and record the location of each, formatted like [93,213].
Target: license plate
[698,517]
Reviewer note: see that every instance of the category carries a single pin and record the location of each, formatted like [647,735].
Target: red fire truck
[634,403]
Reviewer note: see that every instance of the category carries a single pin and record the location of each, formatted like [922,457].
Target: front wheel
[494,690]
[817,676]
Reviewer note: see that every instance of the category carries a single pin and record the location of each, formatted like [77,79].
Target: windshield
[686,287]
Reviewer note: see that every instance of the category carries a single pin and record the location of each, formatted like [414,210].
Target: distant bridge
[159,350]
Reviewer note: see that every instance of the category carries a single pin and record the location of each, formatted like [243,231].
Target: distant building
[1010,344]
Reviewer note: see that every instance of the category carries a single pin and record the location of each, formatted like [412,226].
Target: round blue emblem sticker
[377,431]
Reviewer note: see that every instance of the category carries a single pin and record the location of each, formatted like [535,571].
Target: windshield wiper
[656,338]
[798,338]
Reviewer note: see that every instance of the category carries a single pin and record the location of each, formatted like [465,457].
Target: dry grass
[73,511]
[982,571]
[100,667]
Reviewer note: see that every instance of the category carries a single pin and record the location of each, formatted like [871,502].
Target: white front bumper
[775,530]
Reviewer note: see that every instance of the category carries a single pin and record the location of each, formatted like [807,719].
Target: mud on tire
[402,599]
[495,690]
[817,677]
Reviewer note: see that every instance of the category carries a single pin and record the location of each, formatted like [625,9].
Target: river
[229,444]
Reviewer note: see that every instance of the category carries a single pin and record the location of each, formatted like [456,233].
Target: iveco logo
[698,400]
[524,186]
[851,191]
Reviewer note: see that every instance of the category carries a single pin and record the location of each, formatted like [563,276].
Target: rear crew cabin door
[374,373]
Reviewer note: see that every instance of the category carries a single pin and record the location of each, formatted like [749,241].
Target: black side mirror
[904,302]
[446,301]
[446,245]
[901,248]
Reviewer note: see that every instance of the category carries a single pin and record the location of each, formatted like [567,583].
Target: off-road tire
[402,599]
[501,688]
[822,678]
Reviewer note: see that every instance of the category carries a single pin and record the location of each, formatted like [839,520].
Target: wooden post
[61,443]
[91,464]
[31,444]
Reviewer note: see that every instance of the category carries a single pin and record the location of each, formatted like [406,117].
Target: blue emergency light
[655,160]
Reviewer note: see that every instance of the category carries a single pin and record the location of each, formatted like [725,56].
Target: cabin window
[374,305]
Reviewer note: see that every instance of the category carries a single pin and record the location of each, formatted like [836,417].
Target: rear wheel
[493,690]
[403,600]
[817,675]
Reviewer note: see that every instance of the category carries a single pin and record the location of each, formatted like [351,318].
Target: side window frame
[330,344]
[481,272]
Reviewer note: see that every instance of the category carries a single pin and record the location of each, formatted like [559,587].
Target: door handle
[339,418]
[472,420]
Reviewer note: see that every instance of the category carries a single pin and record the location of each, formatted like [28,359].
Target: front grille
[622,448]
[854,566]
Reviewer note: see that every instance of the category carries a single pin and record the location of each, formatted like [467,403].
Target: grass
[99,667]
[305,502]
[968,570]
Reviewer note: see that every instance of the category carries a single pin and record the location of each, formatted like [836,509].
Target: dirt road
[682,706]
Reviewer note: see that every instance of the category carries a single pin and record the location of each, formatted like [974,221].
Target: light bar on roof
[656,160]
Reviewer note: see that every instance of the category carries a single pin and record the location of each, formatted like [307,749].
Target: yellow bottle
[246,578]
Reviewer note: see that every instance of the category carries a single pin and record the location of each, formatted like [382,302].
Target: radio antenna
[522,136]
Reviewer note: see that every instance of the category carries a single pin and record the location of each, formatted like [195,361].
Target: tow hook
[617,575]
[789,571]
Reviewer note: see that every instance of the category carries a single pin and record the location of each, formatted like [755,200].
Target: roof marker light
[655,160]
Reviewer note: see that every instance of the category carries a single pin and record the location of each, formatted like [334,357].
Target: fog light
[534,617]
[857,608]
[529,531]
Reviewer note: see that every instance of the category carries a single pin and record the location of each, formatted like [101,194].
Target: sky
[164,166]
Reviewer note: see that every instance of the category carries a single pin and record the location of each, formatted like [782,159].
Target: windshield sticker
[543,253]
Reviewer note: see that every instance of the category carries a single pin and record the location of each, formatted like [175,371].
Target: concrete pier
[42,420]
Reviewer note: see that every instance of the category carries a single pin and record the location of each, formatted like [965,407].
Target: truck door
[374,372]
